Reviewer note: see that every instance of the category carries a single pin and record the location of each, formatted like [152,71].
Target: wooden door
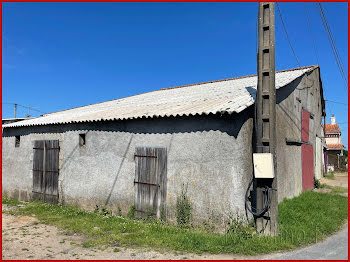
[45,170]
[150,180]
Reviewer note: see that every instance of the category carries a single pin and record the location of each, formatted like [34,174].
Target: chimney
[333,120]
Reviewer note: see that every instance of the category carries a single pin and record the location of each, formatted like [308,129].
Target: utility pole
[266,117]
[15,110]
[324,137]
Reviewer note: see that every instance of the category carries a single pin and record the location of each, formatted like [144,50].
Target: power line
[28,107]
[310,31]
[336,102]
[331,39]
[331,36]
[285,30]
[330,108]
[332,42]
[256,32]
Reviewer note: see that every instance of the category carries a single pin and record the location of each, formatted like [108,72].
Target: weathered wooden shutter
[150,180]
[45,170]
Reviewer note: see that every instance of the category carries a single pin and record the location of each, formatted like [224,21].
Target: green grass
[338,189]
[303,220]
[335,189]
[11,201]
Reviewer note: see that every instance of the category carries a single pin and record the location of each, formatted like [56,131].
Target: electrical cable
[330,109]
[266,205]
[336,102]
[331,36]
[28,107]
[256,33]
[310,31]
[332,42]
[285,30]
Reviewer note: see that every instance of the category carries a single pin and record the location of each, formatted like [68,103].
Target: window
[82,140]
[17,141]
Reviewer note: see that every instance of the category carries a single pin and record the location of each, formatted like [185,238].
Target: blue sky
[62,55]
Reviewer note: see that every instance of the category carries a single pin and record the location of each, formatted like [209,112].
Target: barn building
[144,150]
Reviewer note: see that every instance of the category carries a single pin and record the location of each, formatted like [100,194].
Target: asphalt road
[334,247]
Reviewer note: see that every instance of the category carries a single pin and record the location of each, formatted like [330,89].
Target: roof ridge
[169,88]
[239,77]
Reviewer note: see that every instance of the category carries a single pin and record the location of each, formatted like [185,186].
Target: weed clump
[149,213]
[103,211]
[162,214]
[119,212]
[317,183]
[183,209]
[240,229]
[10,201]
[131,213]
[329,175]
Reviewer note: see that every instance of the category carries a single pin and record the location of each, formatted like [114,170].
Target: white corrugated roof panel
[228,95]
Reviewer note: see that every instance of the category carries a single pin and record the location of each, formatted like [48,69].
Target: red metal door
[307,153]
[307,159]
[305,119]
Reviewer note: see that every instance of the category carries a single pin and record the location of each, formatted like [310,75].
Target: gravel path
[25,238]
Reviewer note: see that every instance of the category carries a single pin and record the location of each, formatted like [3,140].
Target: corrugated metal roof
[228,95]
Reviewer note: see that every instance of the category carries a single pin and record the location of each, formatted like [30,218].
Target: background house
[144,150]
[335,157]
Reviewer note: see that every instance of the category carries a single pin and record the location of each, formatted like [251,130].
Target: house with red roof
[334,145]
